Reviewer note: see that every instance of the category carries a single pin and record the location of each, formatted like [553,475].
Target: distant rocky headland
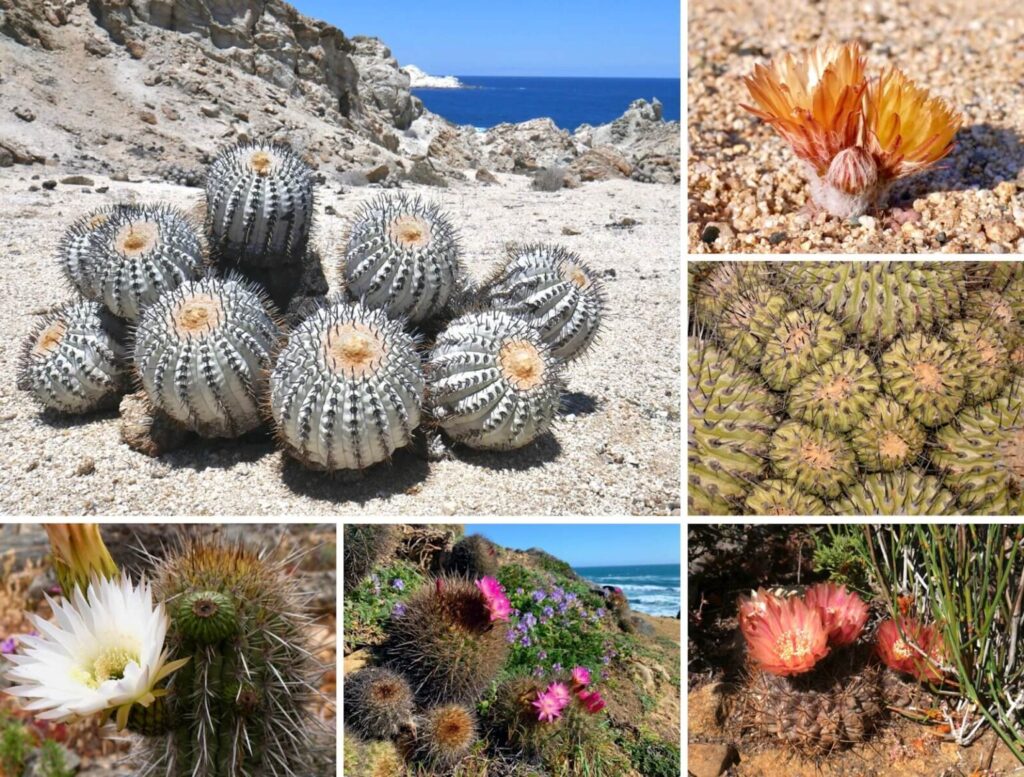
[154,87]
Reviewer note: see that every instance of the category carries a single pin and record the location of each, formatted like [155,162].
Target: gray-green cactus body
[259,204]
[133,255]
[556,292]
[493,381]
[72,362]
[347,389]
[76,248]
[202,353]
[402,257]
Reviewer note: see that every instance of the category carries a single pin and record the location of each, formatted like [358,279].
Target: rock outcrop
[141,87]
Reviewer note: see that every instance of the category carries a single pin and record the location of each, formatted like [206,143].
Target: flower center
[198,315]
[260,163]
[793,644]
[108,665]
[138,238]
[354,348]
[902,650]
[410,231]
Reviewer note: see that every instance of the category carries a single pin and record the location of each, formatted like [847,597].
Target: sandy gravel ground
[616,449]
[746,187]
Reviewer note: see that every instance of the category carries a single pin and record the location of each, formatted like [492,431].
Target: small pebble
[709,235]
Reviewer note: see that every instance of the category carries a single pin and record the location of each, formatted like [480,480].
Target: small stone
[710,234]
[210,111]
[330,211]
[86,466]
[1005,190]
[49,185]
[1004,232]
[147,117]
[942,238]
[870,223]
[135,49]
[170,113]
[570,231]
[777,237]
[483,175]
[78,180]
[25,114]
[102,189]
[378,174]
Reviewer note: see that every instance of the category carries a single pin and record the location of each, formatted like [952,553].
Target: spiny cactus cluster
[856,388]
[365,546]
[241,705]
[343,382]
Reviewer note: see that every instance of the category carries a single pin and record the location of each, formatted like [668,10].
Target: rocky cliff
[152,87]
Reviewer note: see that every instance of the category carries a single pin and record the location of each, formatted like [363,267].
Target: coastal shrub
[651,756]
[842,556]
[369,605]
[15,746]
[52,761]
[556,623]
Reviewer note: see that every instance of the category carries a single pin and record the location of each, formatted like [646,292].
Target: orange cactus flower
[813,101]
[788,639]
[843,612]
[753,607]
[907,646]
[907,129]
[856,134]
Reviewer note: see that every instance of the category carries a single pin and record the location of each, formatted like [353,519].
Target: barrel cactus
[885,387]
[444,735]
[446,642]
[493,382]
[556,292]
[378,702]
[403,257]
[241,705]
[346,390]
[202,353]
[259,204]
[73,361]
[132,255]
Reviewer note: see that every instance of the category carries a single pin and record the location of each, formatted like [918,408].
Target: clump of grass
[651,756]
[371,603]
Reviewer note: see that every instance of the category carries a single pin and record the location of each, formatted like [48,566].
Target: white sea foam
[421,80]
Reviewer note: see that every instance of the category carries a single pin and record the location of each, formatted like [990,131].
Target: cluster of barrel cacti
[860,388]
[242,703]
[815,682]
[228,328]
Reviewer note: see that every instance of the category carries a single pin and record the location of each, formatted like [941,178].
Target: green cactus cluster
[241,706]
[848,387]
[228,329]
[473,557]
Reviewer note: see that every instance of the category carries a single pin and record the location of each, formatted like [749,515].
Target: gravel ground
[746,187]
[616,449]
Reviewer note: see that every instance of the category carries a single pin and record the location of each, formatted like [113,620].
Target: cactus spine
[202,353]
[72,362]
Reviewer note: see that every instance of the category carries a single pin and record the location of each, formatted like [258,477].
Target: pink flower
[497,603]
[559,691]
[548,707]
[788,638]
[907,646]
[843,613]
[581,676]
[591,700]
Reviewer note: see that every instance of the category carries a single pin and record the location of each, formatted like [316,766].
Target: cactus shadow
[402,473]
[544,450]
[200,454]
[985,156]
[56,420]
[578,403]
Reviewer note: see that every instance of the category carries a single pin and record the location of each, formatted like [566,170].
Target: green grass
[15,746]
[368,608]
[651,756]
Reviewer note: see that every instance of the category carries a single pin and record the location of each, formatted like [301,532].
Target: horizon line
[647,564]
[506,75]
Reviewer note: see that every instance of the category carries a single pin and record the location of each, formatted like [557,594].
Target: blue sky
[597,38]
[590,545]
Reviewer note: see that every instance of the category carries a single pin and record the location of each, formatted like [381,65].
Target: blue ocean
[651,588]
[488,100]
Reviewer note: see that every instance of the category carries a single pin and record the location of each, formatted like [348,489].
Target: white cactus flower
[104,652]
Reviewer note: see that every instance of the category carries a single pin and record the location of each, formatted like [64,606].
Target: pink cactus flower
[591,700]
[559,691]
[753,606]
[788,639]
[549,708]
[497,603]
[581,676]
[842,612]
[909,647]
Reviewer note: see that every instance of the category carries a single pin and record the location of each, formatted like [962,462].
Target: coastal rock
[601,164]
[30,23]
[382,83]
[528,145]
[421,80]
[643,138]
